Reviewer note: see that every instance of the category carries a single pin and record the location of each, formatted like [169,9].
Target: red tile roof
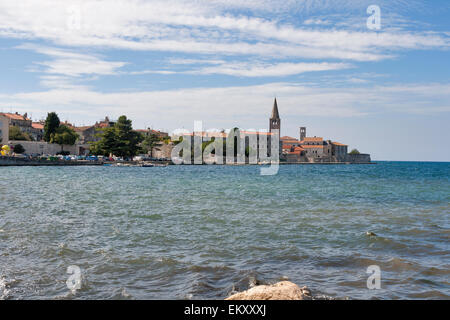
[287,138]
[37,125]
[14,116]
[311,147]
[313,139]
[339,144]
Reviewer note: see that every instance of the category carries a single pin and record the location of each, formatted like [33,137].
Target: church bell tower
[275,121]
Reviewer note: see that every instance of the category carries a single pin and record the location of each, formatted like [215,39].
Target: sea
[206,232]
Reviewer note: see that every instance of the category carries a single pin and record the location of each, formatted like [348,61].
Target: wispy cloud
[182,26]
[73,64]
[68,69]
[247,69]
[84,104]
[270,70]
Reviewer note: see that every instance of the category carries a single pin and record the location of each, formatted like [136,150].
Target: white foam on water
[4,291]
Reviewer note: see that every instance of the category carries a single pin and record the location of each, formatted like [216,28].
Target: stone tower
[275,121]
[302,133]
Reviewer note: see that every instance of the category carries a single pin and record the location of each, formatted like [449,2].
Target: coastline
[13,161]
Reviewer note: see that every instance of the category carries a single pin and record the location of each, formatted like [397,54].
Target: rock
[370,234]
[284,290]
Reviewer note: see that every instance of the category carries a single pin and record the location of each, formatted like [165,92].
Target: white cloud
[316,22]
[270,70]
[73,64]
[195,61]
[198,27]
[221,106]
[251,69]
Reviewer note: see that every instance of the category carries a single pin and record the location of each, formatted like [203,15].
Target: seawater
[204,232]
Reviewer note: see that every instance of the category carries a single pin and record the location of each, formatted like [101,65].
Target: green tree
[149,142]
[51,125]
[354,151]
[107,143]
[120,140]
[180,139]
[64,135]
[18,148]
[16,134]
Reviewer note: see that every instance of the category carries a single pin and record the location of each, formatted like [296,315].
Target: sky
[381,88]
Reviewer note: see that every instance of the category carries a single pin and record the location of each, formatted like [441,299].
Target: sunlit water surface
[202,232]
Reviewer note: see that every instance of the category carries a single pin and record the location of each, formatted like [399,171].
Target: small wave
[154,216]
[430,294]
[4,288]
[436,272]
[167,261]
[209,269]
[399,264]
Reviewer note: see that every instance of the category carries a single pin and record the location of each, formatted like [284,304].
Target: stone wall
[162,151]
[358,158]
[39,147]
[15,161]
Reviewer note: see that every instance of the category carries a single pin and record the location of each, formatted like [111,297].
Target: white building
[4,130]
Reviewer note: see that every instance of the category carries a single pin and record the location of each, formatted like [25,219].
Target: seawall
[12,161]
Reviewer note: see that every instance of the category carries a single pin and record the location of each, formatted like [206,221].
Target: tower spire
[274,121]
[275,114]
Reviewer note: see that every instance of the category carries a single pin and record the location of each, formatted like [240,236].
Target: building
[37,131]
[248,144]
[88,134]
[339,150]
[302,133]
[147,132]
[316,149]
[4,130]
[275,121]
[294,154]
[20,121]
[313,147]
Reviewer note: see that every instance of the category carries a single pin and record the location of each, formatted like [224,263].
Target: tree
[149,142]
[18,148]
[64,135]
[354,151]
[107,143]
[120,140]
[16,134]
[127,140]
[51,125]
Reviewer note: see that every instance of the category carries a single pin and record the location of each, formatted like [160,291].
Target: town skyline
[166,66]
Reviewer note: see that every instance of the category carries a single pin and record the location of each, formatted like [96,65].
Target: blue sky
[166,64]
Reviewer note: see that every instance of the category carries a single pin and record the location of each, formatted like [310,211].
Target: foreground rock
[284,290]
